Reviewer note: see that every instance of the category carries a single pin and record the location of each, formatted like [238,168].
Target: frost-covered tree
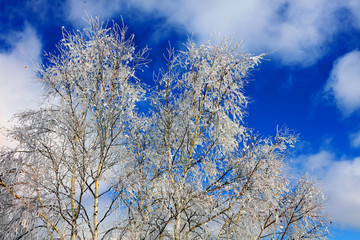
[69,151]
[90,166]
[200,173]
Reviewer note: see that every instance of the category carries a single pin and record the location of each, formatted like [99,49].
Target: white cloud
[340,179]
[294,30]
[354,7]
[19,89]
[342,184]
[318,162]
[80,10]
[355,139]
[344,82]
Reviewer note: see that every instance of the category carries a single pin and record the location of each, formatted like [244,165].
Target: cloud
[318,162]
[342,184]
[344,82]
[296,31]
[354,7]
[80,10]
[19,89]
[355,139]
[340,179]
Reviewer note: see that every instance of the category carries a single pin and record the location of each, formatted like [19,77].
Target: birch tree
[90,166]
[70,148]
[208,176]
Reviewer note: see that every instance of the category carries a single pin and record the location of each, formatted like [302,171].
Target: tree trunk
[73,208]
[96,209]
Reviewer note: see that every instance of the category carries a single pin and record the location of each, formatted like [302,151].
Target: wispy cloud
[355,139]
[344,82]
[342,184]
[340,179]
[19,90]
[296,31]
[80,10]
[354,7]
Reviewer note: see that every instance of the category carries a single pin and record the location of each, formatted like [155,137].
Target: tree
[70,146]
[187,169]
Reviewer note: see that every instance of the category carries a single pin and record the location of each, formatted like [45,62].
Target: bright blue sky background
[310,82]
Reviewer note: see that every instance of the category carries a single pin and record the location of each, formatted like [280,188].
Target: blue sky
[310,79]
